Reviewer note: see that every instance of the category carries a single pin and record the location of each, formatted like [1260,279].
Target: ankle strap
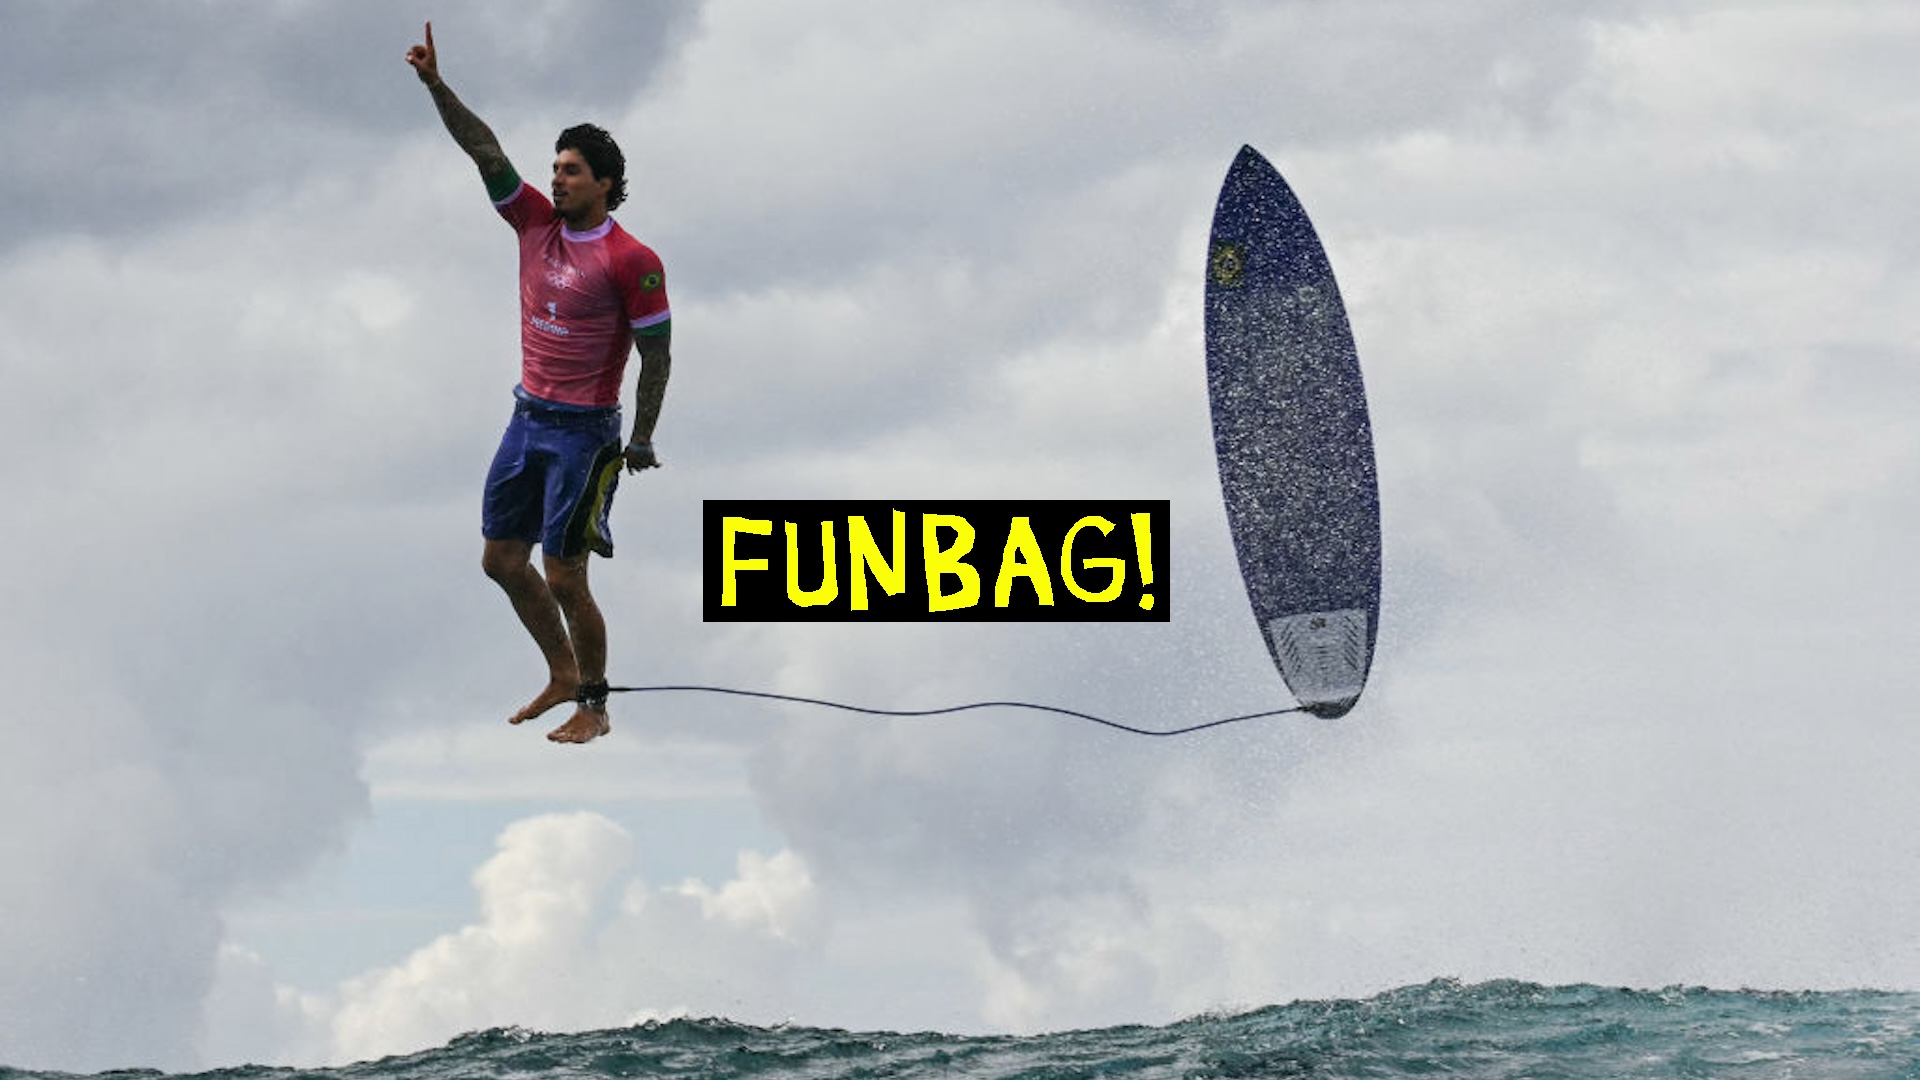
[593,695]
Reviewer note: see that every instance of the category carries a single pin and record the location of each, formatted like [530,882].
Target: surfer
[589,293]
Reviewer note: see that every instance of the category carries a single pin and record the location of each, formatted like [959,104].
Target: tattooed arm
[656,358]
[473,135]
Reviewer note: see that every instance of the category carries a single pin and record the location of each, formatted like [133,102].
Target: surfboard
[1292,438]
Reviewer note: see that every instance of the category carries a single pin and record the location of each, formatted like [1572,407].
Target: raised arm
[473,135]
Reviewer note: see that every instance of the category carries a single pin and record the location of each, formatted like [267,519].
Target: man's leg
[567,581]
[510,564]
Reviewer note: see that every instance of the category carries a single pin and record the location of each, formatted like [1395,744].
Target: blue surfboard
[1292,439]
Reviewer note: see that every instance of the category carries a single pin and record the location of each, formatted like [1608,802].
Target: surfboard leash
[912,713]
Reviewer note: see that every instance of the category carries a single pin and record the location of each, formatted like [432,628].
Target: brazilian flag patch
[651,281]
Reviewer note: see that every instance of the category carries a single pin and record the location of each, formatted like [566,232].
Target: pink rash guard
[582,298]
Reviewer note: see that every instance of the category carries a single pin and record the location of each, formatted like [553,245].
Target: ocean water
[1441,1029]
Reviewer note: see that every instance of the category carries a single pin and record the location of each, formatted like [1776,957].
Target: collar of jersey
[594,233]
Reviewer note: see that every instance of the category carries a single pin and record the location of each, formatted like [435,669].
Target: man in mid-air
[588,293]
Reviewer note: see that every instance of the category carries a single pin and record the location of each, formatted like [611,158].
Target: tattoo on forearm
[469,131]
[651,392]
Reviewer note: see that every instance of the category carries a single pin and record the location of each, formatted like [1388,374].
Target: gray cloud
[123,120]
[1636,314]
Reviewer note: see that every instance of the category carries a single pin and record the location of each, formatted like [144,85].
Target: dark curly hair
[603,157]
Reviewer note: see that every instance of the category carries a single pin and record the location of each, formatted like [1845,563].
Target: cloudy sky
[1637,293]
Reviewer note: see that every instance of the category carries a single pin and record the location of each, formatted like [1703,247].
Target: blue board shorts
[553,478]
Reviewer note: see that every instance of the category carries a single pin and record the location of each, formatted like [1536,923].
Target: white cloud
[774,895]
[1635,291]
[567,939]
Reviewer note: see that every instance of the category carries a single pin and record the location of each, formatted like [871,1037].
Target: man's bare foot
[558,691]
[585,725]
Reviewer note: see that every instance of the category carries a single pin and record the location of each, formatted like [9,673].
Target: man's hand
[474,136]
[640,455]
[426,63]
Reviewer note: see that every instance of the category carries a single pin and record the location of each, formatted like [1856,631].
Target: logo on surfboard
[1227,264]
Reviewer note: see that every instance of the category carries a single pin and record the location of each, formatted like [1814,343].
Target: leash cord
[1089,717]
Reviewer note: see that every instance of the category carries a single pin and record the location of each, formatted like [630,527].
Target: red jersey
[582,297]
